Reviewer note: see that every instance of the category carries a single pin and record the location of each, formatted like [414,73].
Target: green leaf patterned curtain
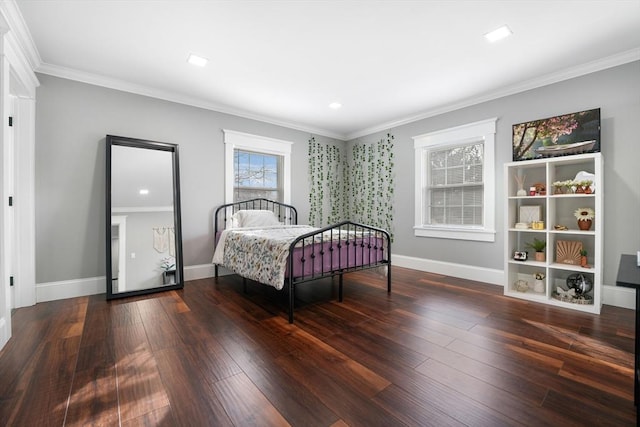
[361,189]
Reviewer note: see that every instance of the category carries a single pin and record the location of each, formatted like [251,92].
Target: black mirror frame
[112,140]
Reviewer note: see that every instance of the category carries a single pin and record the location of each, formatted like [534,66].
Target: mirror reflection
[144,251]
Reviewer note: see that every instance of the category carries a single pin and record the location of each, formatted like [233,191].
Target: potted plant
[585,186]
[558,186]
[583,258]
[538,285]
[538,246]
[569,185]
[585,217]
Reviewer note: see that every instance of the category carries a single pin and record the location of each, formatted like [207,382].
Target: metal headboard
[286,214]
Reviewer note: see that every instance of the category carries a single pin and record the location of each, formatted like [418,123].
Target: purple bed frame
[316,254]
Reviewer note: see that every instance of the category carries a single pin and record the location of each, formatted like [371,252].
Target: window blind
[455,189]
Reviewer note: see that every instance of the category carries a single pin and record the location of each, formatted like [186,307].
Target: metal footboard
[335,250]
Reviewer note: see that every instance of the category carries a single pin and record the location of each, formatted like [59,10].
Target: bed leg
[340,287]
[215,269]
[389,278]
[244,285]
[291,299]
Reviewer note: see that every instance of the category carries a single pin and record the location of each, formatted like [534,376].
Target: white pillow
[255,218]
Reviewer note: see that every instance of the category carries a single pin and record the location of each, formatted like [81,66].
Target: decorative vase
[538,286]
[583,261]
[169,277]
[585,224]
[521,191]
[539,256]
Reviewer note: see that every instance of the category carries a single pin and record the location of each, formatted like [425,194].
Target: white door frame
[121,222]
[18,83]
[7,162]
[9,178]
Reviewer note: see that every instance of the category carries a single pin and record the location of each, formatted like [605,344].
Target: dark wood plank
[296,403]
[161,417]
[436,351]
[94,398]
[489,395]
[140,388]
[44,400]
[426,393]
[245,404]
[192,402]
[339,396]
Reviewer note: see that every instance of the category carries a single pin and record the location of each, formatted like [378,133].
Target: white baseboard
[5,332]
[195,272]
[612,295]
[619,297]
[52,291]
[470,272]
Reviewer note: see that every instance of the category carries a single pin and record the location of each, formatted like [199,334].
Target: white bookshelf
[556,209]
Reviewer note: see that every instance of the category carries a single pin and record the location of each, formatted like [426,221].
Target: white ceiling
[387,62]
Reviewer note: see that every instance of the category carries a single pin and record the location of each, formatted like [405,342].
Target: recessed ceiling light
[498,34]
[144,191]
[335,105]
[197,60]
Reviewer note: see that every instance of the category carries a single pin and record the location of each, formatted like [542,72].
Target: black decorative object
[580,282]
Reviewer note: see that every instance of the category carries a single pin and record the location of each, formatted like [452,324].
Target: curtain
[359,188]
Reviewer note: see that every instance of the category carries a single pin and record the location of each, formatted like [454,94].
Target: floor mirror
[143,226]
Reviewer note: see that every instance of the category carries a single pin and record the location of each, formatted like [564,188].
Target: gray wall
[72,120]
[616,91]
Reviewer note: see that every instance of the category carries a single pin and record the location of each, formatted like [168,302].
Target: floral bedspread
[258,254]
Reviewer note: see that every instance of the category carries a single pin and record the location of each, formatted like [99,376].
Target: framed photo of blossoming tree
[564,135]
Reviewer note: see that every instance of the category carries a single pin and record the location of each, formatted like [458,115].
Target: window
[455,183]
[256,166]
[454,188]
[256,175]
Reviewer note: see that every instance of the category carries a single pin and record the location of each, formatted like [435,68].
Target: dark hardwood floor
[438,351]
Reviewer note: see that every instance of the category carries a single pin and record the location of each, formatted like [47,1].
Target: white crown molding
[569,73]
[117,84]
[99,80]
[24,54]
[18,27]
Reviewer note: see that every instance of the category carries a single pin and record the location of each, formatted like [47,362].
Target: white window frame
[260,144]
[484,131]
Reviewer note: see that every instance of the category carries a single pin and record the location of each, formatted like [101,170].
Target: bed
[260,240]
